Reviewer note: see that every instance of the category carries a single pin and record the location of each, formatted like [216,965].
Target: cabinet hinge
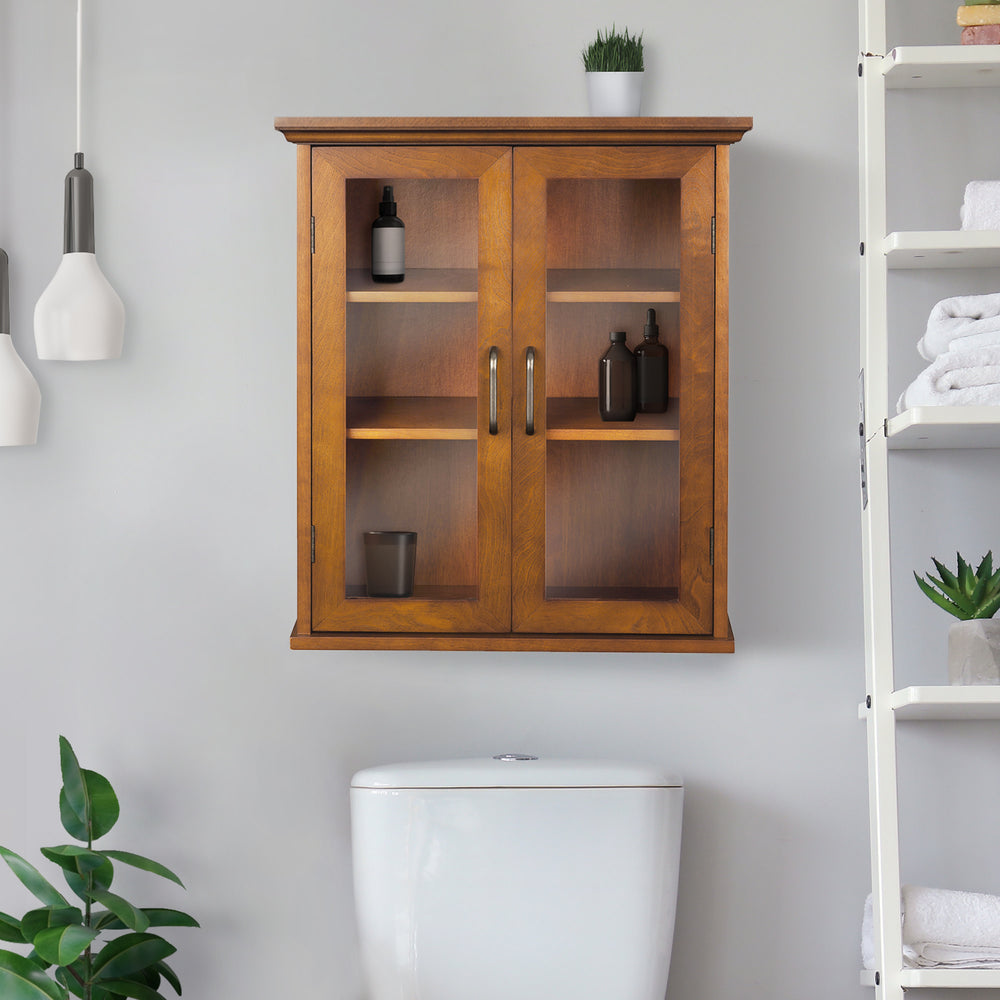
[711,546]
[312,545]
[312,233]
[862,439]
[713,234]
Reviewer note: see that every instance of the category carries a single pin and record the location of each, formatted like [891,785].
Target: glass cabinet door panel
[406,380]
[612,519]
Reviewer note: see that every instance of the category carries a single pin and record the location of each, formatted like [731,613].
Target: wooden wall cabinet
[462,402]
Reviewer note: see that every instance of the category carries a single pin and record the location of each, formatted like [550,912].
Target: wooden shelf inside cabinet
[613,285]
[578,419]
[419,285]
[945,427]
[959,701]
[912,66]
[418,418]
[942,249]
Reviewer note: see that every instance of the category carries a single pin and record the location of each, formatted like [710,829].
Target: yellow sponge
[972,14]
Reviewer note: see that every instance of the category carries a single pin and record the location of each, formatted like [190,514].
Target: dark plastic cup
[390,557]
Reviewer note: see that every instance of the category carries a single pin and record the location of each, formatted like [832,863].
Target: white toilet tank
[515,878]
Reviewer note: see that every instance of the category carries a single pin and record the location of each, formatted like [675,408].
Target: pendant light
[79,316]
[20,399]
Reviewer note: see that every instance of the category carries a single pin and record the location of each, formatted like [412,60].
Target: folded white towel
[956,378]
[958,317]
[942,927]
[981,208]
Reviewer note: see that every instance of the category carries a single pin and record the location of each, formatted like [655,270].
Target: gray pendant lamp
[79,316]
[20,398]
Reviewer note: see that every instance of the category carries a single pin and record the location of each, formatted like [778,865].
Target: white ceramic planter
[974,652]
[614,95]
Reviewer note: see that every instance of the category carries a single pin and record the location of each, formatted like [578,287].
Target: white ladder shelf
[882,430]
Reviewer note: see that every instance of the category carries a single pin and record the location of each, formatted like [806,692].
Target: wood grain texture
[721,567]
[542,233]
[514,642]
[452,483]
[514,131]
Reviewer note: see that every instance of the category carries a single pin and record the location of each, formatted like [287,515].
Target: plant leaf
[64,945]
[10,929]
[74,789]
[129,954]
[951,581]
[990,608]
[132,917]
[32,879]
[157,917]
[940,600]
[84,885]
[74,859]
[124,988]
[169,975]
[36,921]
[21,979]
[102,809]
[145,864]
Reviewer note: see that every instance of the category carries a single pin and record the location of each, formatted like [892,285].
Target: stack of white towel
[981,208]
[962,342]
[942,928]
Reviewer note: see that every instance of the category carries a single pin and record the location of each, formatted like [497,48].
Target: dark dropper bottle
[388,241]
[651,369]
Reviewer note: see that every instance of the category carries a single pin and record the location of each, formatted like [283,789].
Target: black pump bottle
[388,241]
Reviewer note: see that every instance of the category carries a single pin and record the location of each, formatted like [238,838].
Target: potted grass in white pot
[973,597]
[614,70]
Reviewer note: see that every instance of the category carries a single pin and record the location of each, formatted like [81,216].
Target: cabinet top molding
[578,131]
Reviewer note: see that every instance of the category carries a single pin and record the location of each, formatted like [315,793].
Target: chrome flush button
[514,756]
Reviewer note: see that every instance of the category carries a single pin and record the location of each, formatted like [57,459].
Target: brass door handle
[493,390]
[529,421]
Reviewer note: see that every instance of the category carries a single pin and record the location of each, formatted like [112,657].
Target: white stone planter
[974,652]
[614,95]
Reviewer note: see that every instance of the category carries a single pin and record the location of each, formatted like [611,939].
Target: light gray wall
[147,573]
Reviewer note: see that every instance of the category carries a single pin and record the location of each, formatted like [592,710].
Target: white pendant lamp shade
[20,398]
[79,316]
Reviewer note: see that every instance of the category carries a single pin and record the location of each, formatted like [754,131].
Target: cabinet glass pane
[611,487]
[411,408]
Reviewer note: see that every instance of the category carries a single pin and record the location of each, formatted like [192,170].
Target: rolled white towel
[941,927]
[958,317]
[956,378]
[951,927]
[981,208]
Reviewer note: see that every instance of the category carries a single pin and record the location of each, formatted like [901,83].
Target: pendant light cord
[79,71]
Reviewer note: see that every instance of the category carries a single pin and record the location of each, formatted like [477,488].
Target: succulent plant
[614,52]
[967,594]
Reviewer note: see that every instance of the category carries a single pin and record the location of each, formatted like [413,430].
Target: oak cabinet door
[410,427]
[612,521]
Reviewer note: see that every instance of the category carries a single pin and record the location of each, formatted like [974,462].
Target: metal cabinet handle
[529,424]
[493,390]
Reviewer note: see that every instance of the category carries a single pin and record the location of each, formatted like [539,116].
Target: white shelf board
[983,979]
[945,427]
[945,701]
[943,248]
[942,66]
[941,979]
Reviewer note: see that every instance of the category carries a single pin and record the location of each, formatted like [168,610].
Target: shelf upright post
[880,718]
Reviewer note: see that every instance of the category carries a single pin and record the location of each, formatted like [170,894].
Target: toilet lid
[516,771]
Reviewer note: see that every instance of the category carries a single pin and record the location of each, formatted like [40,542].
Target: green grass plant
[614,52]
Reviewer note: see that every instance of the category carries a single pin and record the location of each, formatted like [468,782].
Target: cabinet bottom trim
[514,642]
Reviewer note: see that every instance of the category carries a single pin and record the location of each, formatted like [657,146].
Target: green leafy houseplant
[614,52]
[68,954]
[968,594]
